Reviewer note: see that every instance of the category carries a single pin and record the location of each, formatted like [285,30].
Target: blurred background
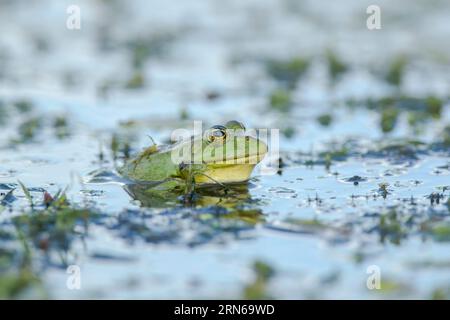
[364,126]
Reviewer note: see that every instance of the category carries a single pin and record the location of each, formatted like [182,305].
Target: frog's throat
[225,173]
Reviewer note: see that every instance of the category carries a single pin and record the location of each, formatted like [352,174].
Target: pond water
[364,122]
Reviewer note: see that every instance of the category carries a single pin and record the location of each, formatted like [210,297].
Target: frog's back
[150,166]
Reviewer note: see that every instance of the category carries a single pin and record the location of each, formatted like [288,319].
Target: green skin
[223,160]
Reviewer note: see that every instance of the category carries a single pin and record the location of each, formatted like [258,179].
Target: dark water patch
[355,180]
[104,256]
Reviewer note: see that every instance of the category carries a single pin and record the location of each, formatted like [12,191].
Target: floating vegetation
[23,106]
[3,113]
[390,228]
[61,127]
[388,120]
[143,48]
[137,81]
[120,146]
[445,136]
[442,293]
[440,232]
[258,289]
[16,284]
[390,286]
[336,67]
[383,189]
[28,130]
[325,119]
[396,70]
[361,178]
[434,107]
[287,72]
[280,100]
[336,152]
[356,180]
[48,227]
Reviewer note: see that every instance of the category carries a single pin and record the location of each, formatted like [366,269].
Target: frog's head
[227,154]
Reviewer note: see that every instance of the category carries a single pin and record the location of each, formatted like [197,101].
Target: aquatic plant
[388,120]
[257,289]
[136,81]
[336,67]
[23,105]
[396,70]
[61,127]
[287,72]
[280,100]
[325,119]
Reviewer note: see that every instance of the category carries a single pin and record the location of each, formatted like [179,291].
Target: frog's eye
[235,125]
[217,133]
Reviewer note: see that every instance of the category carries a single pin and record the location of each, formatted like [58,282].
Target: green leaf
[27,193]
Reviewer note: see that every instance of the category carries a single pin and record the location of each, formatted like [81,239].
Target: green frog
[223,154]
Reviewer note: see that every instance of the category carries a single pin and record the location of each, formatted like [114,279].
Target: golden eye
[217,132]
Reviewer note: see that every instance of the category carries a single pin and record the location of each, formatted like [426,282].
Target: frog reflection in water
[223,158]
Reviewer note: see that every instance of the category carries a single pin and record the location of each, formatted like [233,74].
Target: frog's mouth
[232,169]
